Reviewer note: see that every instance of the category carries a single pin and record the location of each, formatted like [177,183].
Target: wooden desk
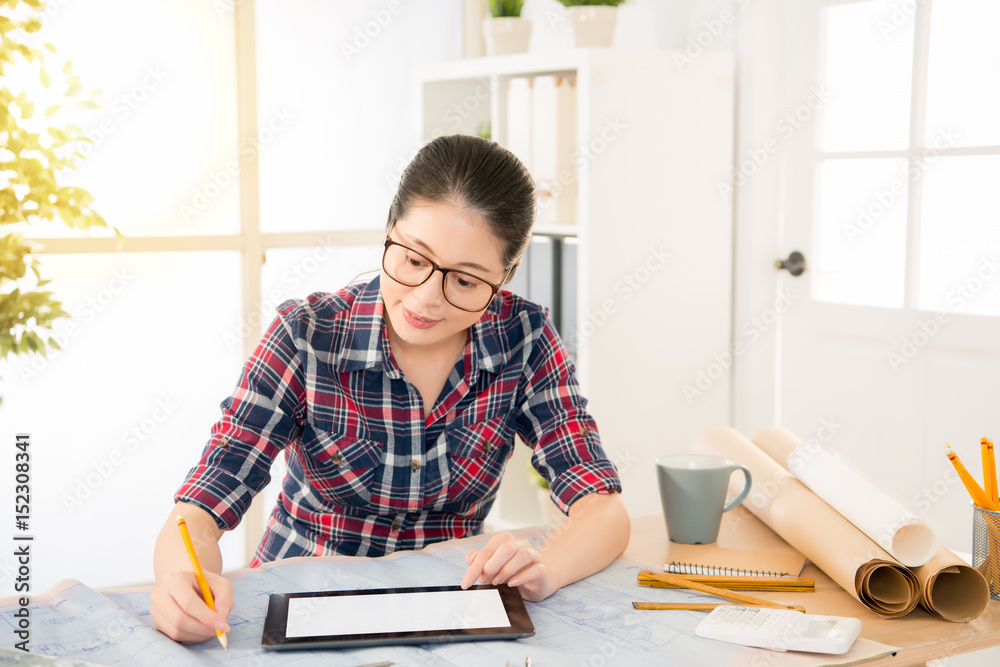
[920,636]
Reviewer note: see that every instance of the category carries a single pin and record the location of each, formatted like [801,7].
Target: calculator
[780,629]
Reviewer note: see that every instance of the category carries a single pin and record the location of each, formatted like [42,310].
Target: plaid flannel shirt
[367,474]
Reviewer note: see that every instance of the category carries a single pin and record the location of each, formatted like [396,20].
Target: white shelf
[556,230]
[519,64]
[653,141]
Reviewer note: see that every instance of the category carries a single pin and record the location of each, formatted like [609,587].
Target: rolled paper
[848,556]
[896,529]
[949,588]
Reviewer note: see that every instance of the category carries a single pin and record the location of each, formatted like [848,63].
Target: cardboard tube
[818,531]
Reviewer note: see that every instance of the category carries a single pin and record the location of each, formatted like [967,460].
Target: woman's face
[453,239]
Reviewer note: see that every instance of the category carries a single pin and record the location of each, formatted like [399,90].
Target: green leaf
[50,46]
[53,344]
[44,78]
[68,67]
[27,110]
[73,91]
[52,110]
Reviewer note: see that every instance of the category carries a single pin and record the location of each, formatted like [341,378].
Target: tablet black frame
[273,637]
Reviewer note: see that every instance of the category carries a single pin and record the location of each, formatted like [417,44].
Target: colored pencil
[978,495]
[695,606]
[987,477]
[734,583]
[206,592]
[681,582]
[993,473]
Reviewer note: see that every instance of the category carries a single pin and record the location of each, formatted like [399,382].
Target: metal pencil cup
[986,547]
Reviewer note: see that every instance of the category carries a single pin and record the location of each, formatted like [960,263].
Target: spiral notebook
[713,560]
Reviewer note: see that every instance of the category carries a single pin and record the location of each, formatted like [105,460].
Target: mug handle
[746,487]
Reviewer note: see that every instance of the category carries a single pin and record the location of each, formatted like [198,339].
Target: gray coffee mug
[693,493]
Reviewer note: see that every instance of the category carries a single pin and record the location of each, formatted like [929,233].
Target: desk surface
[589,622]
[919,635]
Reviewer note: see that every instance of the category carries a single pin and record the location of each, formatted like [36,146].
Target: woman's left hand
[507,559]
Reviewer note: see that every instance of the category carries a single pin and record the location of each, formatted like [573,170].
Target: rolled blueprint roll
[820,533]
[949,588]
[896,529]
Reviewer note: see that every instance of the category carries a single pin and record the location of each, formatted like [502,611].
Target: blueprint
[590,623]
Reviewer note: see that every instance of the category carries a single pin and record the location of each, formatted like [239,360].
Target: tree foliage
[36,152]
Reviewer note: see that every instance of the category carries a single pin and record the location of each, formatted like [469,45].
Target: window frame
[918,147]
[248,241]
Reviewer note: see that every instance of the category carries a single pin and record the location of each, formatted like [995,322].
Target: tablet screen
[402,612]
[394,616]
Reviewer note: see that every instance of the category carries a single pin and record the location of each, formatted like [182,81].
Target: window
[908,155]
[206,180]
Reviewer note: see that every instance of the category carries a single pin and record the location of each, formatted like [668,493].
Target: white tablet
[424,615]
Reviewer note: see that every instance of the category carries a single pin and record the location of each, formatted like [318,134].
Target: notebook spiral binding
[711,570]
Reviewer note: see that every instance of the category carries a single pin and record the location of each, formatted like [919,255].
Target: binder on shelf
[540,273]
[518,284]
[547,276]
[553,111]
[519,117]
[567,327]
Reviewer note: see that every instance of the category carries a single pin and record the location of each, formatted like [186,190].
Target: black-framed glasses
[464,290]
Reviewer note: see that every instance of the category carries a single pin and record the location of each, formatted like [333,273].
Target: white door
[871,143]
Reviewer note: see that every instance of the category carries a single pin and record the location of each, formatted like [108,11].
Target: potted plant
[592,21]
[35,154]
[504,30]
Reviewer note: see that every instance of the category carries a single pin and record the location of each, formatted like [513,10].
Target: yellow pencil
[206,592]
[987,477]
[978,495]
[993,473]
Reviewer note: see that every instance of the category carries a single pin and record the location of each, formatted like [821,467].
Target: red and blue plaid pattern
[367,474]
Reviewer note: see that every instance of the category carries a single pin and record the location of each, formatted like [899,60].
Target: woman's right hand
[180,613]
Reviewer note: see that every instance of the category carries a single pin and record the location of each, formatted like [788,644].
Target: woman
[396,403]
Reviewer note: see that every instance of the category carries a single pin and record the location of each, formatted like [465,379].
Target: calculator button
[742,621]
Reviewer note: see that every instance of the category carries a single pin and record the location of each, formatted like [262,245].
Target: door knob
[795,264]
